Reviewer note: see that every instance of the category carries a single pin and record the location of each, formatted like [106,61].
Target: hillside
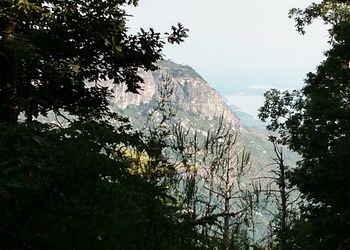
[198,104]
[247,119]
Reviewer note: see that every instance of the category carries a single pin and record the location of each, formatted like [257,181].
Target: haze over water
[242,48]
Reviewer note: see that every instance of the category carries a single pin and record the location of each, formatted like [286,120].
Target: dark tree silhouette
[57,51]
[71,185]
[315,123]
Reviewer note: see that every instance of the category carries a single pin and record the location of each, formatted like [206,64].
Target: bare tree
[215,169]
[212,170]
[282,200]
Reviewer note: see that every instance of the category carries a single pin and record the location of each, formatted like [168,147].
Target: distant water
[246,103]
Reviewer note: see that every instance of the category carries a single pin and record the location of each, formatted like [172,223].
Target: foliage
[332,12]
[52,49]
[315,123]
[70,188]
[74,186]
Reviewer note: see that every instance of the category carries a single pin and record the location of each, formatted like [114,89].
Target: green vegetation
[70,185]
[175,70]
[315,123]
[76,175]
[70,188]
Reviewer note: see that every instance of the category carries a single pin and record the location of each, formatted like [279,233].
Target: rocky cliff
[191,93]
[198,105]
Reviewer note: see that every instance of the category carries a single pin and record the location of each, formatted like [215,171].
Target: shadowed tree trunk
[8,110]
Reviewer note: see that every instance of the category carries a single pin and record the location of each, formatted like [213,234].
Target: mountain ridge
[196,102]
[192,93]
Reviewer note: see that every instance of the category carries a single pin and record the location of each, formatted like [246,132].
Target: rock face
[123,99]
[199,106]
[191,93]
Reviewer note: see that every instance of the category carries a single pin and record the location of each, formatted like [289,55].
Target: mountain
[247,119]
[197,104]
[199,107]
[192,94]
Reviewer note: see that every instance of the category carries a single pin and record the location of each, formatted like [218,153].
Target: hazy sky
[239,47]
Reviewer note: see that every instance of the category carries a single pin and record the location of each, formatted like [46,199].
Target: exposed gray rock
[200,104]
[191,92]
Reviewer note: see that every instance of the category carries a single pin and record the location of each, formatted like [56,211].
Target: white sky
[237,46]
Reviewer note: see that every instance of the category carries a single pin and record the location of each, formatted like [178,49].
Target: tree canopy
[53,54]
[315,123]
[72,185]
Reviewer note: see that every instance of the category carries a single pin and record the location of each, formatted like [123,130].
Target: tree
[214,170]
[315,123]
[331,12]
[57,190]
[72,185]
[55,52]
[282,200]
